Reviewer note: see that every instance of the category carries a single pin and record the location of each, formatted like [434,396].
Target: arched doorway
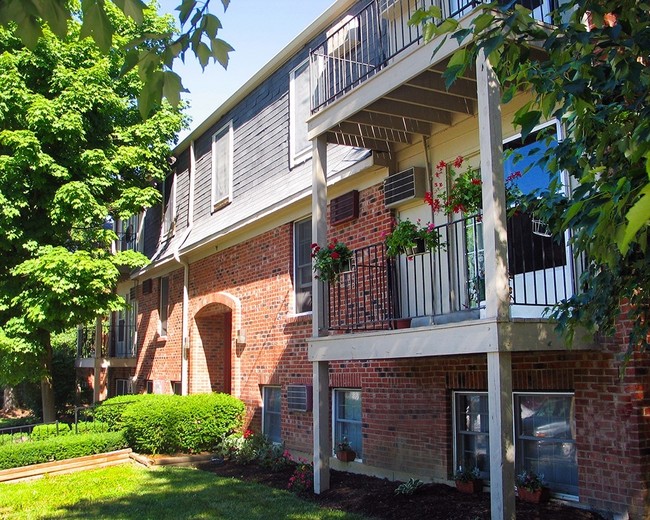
[210,354]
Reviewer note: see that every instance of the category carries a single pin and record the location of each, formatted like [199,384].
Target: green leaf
[151,93]
[96,24]
[637,217]
[184,10]
[482,21]
[203,54]
[56,16]
[172,88]
[447,26]
[132,8]
[211,25]
[220,50]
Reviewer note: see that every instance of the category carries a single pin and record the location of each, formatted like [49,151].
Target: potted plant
[531,487]
[463,196]
[344,451]
[411,238]
[330,261]
[468,480]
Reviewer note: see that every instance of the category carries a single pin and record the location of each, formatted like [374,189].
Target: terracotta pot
[401,323]
[346,455]
[469,487]
[536,497]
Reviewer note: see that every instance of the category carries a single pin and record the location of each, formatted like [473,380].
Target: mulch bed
[375,498]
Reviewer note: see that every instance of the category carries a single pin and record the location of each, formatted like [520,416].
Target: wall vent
[404,186]
[344,208]
[147,286]
[299,398]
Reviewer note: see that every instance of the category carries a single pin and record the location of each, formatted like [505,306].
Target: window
[545,439]
[540,250]
[122,386]
[129,234]
[544,436]
[302,265]
[271,423]
[472,447]
[125,335]
[169,212]
[177,387]
[164,305]
[299,145]
[347,419]
[222,152]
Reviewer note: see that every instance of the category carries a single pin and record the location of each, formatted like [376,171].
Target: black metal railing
[448,283]
[358,46]
[118,341]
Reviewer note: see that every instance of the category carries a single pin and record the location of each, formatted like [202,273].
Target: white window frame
[123,386]
[296,266]
[456,434]
[267,412]
[335,420]
[163,324]
[169,210]
[515,428]
[298,156]
[220,200]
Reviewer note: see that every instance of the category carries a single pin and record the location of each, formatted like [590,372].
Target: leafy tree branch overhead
[590,70]
[74,151]
[154,61]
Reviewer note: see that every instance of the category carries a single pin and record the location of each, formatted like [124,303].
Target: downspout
[185,342]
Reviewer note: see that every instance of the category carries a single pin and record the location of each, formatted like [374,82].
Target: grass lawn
[132,492]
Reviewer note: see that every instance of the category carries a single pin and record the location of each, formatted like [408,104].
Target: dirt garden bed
[375,498]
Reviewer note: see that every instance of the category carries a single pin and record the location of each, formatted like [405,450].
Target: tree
[74,152]
[590,71]
[154,61]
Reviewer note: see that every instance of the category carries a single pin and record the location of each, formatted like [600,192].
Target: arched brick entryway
[212,337]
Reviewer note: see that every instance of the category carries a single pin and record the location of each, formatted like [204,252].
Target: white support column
[319,228]
[97,362]
[502,448]
[322,438]
[497,296]
[321,408]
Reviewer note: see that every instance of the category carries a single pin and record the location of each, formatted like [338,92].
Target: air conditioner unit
[404,186]
[299,398]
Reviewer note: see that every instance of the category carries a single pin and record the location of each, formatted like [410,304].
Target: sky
[258,30]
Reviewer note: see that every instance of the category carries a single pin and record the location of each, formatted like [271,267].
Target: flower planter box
[538,496]
[470,487]
[402,323]
[346,455]
[418,249]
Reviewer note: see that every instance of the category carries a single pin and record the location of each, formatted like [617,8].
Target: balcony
[359,46]
[447,285]
[118,345]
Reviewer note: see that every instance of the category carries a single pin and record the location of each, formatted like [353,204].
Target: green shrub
[45,431]
[9,438]
[59,448]
[90,427]
[186,424]
[111,410]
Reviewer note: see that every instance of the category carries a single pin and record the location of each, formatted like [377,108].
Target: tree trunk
[47,385]
[9,400]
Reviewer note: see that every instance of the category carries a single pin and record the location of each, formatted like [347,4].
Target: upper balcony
[410,99]
[117,346]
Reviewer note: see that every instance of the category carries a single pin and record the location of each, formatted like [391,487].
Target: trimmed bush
[90,427]
[59,448]
[111,410]
[185,424]
[45,431]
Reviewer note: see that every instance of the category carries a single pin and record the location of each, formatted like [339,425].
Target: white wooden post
[322,439]
[497,295]
[319,230]
[502,448]
[321,435]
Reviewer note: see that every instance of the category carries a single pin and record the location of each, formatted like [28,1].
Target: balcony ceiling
[420,106]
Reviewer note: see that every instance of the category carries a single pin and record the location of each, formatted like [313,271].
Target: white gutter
[185,341]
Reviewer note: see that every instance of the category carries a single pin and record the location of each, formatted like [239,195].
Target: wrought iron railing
[448,284]
[118,341]
[359,46]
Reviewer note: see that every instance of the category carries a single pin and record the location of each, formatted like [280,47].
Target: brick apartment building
[332,140]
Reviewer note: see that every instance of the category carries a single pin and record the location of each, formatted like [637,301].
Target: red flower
[476,182]
[248,434]
[458,162]
[335,255]
[441,165]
